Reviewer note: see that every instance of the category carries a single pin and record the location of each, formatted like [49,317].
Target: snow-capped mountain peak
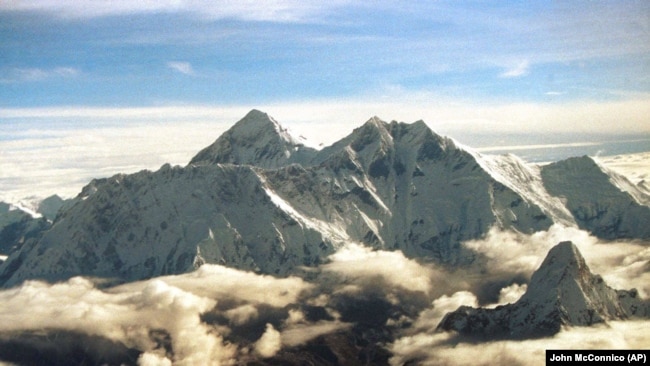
[562,292]
[609,206]
[256,198]
[257,139]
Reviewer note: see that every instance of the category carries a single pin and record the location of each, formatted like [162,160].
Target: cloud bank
[217,315]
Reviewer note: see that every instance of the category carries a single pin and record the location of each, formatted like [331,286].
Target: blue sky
[100,79]
[176,52]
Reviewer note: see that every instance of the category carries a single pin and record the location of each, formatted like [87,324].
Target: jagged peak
[415,130]
[257,139]
[398,130]
[565,256]
[371,131]
[563,291]
[563,268]
[374,123]
[257,117]
[565,250]
[257,114]
[256,121]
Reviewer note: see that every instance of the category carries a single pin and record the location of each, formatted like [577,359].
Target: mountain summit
[562,292]
[257,199]
[257,139]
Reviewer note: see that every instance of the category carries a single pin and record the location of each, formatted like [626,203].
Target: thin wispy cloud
[521,69]
[182,67]
[274,11]
[37,74]
[276,52]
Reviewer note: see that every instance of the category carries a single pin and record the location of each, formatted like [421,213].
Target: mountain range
[259,199]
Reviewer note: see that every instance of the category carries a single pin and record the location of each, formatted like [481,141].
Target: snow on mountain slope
[634,167]
[256,199]
[171,221]
[18,226]
[562,292]
[400,186]
[526,180]
[257,139]
[602,201]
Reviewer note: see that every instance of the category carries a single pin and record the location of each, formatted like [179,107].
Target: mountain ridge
[257,199]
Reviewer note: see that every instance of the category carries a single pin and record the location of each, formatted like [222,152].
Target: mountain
[50,206]
[257,139]
[562,292]
[258,199]
[17,227]
[603,202]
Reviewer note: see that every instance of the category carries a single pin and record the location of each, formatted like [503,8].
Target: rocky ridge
[258,199]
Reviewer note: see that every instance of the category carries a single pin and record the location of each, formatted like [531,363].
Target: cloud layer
[216,315]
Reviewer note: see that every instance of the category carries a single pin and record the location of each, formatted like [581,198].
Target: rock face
[18,227]
[601,201]
[258,199]
[563,291]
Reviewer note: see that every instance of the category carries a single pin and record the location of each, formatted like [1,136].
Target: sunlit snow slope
[258,199]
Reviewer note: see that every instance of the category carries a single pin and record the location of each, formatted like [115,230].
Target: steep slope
[256,199]
[171,221]
[601,201]
[401,186]
[257,139]
[52,205]
[563,291]
[18,227]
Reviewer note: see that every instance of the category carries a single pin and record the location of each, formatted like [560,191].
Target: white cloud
[270,342]
[152,359]
[440,349]
[622,264]
[634,167]
[360,265]
[276,11]
[242,314]
[182,67]
[179,305]
[172,304]
[429,319]
[512,293]
[120,315]
[520,69]
[236,284]
[32,74]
